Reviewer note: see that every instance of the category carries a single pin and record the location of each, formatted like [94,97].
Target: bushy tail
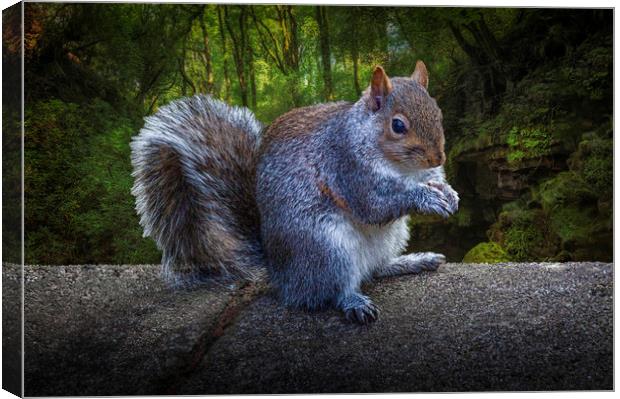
[194,167]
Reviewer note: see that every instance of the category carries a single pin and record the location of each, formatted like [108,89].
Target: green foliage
[593,160]
[524,234]
[576,216]
[486,252]
[569,225]
[78,178]
[518,89]
[525,143]
[11,182]
[464,217]
[564,189]
[521,240]
[560,88]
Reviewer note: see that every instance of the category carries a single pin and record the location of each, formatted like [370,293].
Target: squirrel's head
[412,133]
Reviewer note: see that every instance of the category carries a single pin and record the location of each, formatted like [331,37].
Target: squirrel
[320,198]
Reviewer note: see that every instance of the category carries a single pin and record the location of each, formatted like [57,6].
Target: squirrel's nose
[442,157]
[437,159]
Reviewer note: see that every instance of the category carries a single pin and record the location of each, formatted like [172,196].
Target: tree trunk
[283,48]
[224,52]
[356,78]
[290,45]
[321,18]
[355,54]
[239,50]
[186,80]
[484,54]
[252,73]
[291,50]
[207,56]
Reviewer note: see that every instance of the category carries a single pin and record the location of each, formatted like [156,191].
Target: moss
[572,224]
[463,217]
[486,252]
[527,143]
[595,164]
[525,234]
[584,232]
[557,111]
[568,225]
[571,204]
[565,189]
[417,220]
[521,241]
[599,173]
[513,206]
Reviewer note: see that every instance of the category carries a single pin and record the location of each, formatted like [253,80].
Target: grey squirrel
[320,197]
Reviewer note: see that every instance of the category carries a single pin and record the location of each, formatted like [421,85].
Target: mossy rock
[463,217]
[598,165]
[524,242]
[568,223]
[573,224]
[416,220]
[513,206]
[593,160]
[525,234]
[566,189]
[584,233]
[577,211]
[486,252]
[528,143]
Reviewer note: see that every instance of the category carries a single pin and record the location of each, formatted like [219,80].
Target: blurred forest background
[526,94]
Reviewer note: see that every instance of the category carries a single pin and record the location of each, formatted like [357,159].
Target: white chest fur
[369,247]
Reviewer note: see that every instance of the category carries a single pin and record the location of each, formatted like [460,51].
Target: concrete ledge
[116,330]
[111,330]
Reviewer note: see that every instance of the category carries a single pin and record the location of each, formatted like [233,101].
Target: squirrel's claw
[362,315]
[363,312]
[451,195]
[445,201]
[453,198]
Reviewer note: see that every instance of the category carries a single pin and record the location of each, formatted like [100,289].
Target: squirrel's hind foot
[360,309]
[412,264]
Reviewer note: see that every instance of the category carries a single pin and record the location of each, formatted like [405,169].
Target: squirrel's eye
[398,126]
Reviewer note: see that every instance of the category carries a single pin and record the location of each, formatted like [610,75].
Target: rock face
[116,330]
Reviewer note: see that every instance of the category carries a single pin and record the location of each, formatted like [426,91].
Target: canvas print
[283,199]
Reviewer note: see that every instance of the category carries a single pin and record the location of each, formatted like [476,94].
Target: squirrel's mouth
[411,168]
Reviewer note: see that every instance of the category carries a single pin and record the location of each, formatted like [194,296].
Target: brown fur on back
[303,121]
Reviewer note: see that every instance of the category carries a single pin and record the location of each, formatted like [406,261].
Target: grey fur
[316,253]
[318,256]
[412,264]
[194,186]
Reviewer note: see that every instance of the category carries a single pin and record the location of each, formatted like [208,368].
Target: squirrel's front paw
[433,200]
[451,195]
[360,309]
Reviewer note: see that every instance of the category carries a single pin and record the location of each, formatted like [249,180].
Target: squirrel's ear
[380,87]
[420,74]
